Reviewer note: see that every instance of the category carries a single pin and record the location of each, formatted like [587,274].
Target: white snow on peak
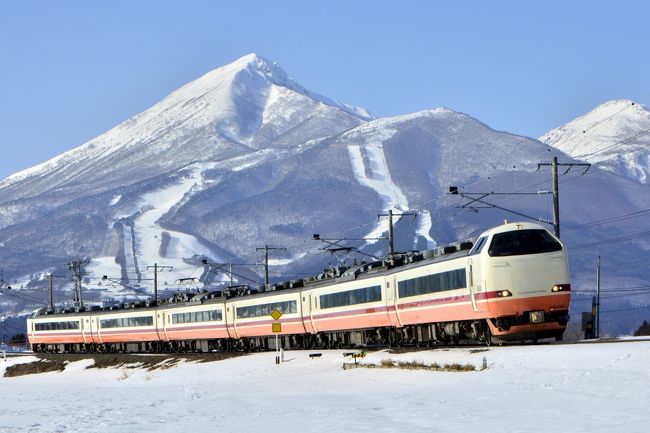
[233,102]
[386,124]
[615,136]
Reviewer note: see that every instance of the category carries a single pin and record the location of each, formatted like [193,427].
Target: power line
[608,117]
[618,143]
[610,220]
[627,309]
[611,240]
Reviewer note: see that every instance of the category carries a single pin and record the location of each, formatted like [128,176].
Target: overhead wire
[609,220]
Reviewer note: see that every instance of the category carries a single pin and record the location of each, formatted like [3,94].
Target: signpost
[276,328]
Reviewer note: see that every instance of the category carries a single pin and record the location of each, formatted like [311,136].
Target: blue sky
[71,70]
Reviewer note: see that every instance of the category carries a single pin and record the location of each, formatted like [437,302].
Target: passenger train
[511,284]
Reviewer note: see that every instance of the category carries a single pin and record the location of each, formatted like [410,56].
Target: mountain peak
[613,135]
[243,106]
[255,63]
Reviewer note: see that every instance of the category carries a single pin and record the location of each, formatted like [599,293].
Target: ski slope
[548,388]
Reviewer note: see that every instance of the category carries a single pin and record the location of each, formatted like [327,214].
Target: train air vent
[428,254]
[465,245]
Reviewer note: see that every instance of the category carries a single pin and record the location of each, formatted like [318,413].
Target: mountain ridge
[614,136]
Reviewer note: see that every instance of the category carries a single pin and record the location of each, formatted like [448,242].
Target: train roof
[509,227]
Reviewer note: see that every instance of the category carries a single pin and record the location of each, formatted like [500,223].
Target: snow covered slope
[570,388]
[246,105]
[615,136]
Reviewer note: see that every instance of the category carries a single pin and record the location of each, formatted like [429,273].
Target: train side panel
[198,322]
[436,293]
[252,316]
[352,305]
[125,326]
[55,330]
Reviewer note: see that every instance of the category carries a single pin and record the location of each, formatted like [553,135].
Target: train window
[124,322]
[351,297]
[261,310]
[56,326]
[523,242]
[194,317]
[439,282]
[478,246]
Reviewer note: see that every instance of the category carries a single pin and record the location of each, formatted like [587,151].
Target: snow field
[568,388]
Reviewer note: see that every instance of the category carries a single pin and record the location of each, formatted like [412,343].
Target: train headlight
[504,293]
[561,288]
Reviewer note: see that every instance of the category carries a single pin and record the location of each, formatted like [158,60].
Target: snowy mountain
[615,136]
[234,116]
[245,157]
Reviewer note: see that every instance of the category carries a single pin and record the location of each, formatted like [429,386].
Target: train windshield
[522,242]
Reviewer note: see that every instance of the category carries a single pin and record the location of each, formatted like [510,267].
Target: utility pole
[556,190]
[556,198]
[50,288]
[266,250]
[158,268]
[597,330]
[76,268]
[390,214]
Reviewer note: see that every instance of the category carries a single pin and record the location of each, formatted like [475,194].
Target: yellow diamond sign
[276,314]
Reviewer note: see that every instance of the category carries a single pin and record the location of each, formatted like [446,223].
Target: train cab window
[523,242]
[478,246]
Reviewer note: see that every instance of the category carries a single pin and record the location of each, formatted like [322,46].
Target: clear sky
[70,70]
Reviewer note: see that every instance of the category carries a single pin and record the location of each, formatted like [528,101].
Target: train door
[93,330]
[314,310]
[161,325]
[476,286]
[86,334]
[307,317]
[391,301]
[231,321]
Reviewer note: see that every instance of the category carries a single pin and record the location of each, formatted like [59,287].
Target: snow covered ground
[567,388]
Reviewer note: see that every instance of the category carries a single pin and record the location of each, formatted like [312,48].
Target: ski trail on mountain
[130,260]
[371,169]
[149,234]
[424,226]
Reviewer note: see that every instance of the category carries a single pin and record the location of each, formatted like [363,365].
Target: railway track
[400,349]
